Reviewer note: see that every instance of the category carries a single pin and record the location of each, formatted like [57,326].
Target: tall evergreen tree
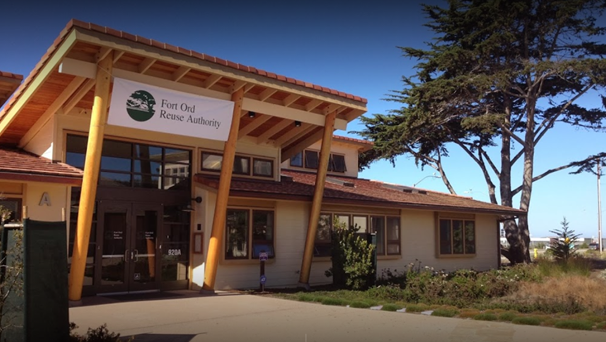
[498,74]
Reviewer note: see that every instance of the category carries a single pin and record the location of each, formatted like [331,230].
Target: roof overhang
[8,84]
[63,81]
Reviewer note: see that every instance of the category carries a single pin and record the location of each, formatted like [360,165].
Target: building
[177,170]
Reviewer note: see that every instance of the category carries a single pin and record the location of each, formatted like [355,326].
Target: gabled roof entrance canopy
[64,79]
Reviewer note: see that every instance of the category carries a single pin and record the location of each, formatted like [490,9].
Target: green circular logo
[140,105]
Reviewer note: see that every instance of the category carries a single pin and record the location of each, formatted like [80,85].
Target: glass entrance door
[129,246]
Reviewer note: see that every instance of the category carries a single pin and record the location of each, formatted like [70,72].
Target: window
[457,236]
[311,159]
[242,165]
[127,164]
[336,162]
[245,238]
[13,210]
[387,229]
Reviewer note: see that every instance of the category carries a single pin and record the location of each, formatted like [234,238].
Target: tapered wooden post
[227,165]
[90,177]
[316,205]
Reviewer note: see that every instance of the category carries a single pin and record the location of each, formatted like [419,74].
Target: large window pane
[211,162]
[445,237]
[176,155]
[263,167]
[343,220]
[311,159]
[457,237]
[377,224]
[470,237]
[143,151]
[361,222]
[241,165]
[146,181]
[114,179]
[393,235]
[297,160]
[236,241]
[338,163]
[148,167]
[324,227]
[263,233]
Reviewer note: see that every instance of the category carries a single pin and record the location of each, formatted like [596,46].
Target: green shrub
[574,324]
[100,334]
[352,258]
[485,317]
[601,326]
[390,307]
[507,316]
[333,301]
[386,293]
[416,308]
[358,304]
[442,312]
[526,320]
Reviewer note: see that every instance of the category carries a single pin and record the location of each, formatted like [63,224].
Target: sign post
[263,278]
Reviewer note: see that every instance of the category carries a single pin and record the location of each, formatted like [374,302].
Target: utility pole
[599,208]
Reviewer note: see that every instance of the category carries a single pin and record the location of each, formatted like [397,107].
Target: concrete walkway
[186,316]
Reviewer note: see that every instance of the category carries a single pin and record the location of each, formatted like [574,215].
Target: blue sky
[336,44]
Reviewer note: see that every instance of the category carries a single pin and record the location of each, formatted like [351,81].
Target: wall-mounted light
[251,114]
[297,123]
[189,208]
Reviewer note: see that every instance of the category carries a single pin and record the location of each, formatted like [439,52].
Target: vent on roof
[404,188]
[339,182]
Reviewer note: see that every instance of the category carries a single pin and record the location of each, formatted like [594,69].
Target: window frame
[16,215]
[321,245]
[332,166]
[250,236]
[440,243]
[251,164]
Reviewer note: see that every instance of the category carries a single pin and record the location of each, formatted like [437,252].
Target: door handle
[126,256]
[136,255]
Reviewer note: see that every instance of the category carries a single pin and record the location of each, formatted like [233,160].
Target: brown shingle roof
[151,42]
[18,164]
[346,190]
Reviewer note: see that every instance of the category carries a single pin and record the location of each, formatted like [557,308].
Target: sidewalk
[186,316]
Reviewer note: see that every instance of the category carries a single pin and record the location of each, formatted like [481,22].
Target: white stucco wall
[54,194]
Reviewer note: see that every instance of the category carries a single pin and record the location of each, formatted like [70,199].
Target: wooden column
[91,176]
[227,165]
[316,205]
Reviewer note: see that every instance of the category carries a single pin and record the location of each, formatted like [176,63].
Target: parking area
[186,316]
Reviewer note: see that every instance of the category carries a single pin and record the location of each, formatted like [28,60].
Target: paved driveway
[188,317]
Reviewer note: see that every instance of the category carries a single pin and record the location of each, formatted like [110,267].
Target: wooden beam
[287,139]
[215,245]
[38,80]
[211,80]
[250,104]
[179,73]
[84,89]
[253,125]
[117,55]
[103,52]
[313,104]
[91,176]
[51,110]
[290,99]
[272,131]
[316,204]
[300,146]
[289,113]
[146,64]
[237,86]
[267,93]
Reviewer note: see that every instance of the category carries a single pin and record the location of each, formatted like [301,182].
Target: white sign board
[142,106]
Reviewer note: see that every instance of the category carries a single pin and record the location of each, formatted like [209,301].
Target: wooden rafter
[179,73]
[211,80]
[146,64]
[84,89]
[253,125]
[288,139]
[298,147]
[290,99]
[272,131]
[267,93]
[313,104]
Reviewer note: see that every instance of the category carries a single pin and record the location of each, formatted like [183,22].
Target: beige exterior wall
[42,142]
[46,201]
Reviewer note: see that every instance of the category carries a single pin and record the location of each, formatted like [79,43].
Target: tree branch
[482,166]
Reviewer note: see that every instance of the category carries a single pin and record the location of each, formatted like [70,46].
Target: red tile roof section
[14,160]
[360,141]
[11,75]
[363,192]
[127,36]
